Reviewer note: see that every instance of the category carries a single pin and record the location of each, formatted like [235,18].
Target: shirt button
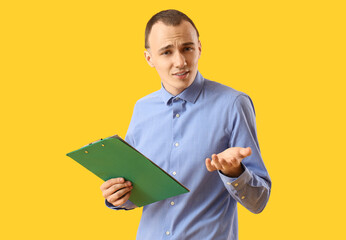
[172,203]
[243,197]
[177,115]
[176,144]
[167,233]
[174,173]
[236,185]
[177,99]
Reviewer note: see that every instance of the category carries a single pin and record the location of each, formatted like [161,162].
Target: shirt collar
[190,94]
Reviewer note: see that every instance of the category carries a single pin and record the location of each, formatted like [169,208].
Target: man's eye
[166,53]
[188,49]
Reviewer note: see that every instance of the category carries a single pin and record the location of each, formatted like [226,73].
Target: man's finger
[230,162]
[209,165]
[216,162]
[114,188]
[245,152]
[122,200]
[107,184]
[118,195]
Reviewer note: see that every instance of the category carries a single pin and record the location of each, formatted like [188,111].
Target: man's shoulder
[149,99]
[219,90]
[226,97]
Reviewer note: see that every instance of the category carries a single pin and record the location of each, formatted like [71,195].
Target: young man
[180,127]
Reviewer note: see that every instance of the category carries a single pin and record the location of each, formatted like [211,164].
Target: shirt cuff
[128,205]
[237,183]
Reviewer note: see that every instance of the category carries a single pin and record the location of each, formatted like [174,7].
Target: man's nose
[179,60]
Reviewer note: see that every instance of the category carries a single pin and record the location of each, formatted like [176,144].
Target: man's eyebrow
[169,46]
[165,48]
[188,43]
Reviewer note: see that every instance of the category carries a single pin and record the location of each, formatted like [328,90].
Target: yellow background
[71,72]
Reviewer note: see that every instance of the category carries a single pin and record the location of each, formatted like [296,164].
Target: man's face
[174,52]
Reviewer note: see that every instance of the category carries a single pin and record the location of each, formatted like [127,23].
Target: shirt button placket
[174,164]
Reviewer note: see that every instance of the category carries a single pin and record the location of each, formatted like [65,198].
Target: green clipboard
[113,157]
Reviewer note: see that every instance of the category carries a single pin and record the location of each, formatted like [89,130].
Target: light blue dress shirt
[178,133]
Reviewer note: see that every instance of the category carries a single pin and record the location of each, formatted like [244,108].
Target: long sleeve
[128,205]
[252,188]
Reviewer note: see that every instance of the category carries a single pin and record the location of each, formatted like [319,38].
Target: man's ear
[147,56]
[199,48]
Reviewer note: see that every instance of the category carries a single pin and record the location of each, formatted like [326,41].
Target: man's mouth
[181,74]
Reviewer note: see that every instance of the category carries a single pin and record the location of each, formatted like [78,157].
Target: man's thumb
[245,151]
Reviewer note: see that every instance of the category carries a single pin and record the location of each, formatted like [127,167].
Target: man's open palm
[228,161]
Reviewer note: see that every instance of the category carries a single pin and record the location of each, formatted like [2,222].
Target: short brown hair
[169,17]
